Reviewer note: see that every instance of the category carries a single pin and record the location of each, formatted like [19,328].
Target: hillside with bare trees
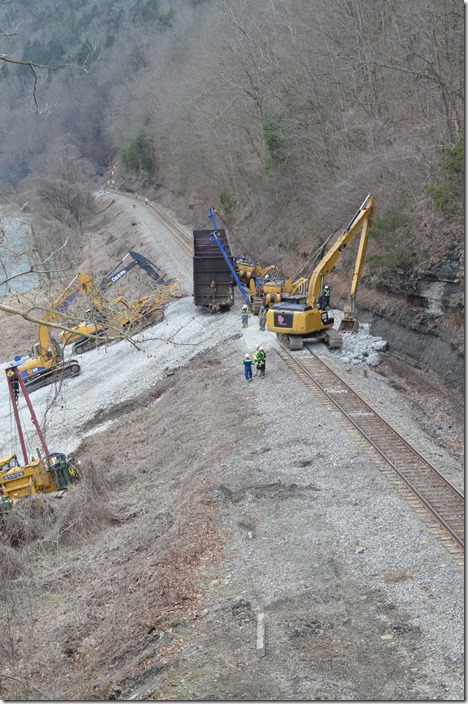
[283,113]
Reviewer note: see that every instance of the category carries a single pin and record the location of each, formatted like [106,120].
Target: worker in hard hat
[261,361]
[245,312]
[324,300]
[262,313]
[248,367]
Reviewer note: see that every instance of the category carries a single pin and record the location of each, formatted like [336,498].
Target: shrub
[387,230]
[226,202]
[273,139]
[389,221]
[448,194]
[139,156]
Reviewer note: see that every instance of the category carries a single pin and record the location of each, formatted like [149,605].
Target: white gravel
[120,371]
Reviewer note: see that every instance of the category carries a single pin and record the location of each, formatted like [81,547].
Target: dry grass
[47,520]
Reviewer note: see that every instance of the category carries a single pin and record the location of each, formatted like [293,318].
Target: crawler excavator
[45,363]
[299,317]
[118,314]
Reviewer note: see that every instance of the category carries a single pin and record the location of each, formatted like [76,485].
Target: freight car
[213,282]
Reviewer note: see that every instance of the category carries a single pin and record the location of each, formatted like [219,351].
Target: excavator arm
[46,363]
[360,258]
[81,283]
[360,220]
[137,259]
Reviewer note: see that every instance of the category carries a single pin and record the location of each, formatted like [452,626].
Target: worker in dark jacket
[262,317]
[324,300]
[248,367]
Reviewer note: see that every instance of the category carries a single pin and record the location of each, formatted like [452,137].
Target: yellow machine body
[20,481]
[298,317]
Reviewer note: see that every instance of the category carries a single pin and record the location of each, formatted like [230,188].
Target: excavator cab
[8,462]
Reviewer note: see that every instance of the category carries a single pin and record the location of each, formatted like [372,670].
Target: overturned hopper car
[213,283]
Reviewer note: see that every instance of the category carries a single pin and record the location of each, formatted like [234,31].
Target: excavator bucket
[348,322]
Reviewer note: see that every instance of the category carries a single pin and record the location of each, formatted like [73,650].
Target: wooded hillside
[285,113]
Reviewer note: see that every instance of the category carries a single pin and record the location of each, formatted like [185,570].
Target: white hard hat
[247,356]
[326,286]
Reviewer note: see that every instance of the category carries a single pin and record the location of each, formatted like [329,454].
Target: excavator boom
[137,259]
[329,261]
[296,318]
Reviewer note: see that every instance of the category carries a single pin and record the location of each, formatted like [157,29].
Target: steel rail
[172,225]
[435,492]
[181,236]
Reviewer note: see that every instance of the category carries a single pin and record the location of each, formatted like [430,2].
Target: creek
[16,253]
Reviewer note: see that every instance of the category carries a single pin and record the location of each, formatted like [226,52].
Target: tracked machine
[45,363]
[300,317]
[48,472]
[109,318]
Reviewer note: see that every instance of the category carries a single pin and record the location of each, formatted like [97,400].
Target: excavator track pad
[63,371]
[333,339]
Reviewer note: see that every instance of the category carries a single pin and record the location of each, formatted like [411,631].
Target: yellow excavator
[45,363]
[265,284]
[119,315]
[303,317]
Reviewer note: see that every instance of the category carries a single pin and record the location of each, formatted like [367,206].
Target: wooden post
[261,635]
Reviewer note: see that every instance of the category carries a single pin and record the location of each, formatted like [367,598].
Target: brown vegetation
[283,113]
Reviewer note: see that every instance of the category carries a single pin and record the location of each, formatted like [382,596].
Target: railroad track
[430,491]
[428,488]
[177,232]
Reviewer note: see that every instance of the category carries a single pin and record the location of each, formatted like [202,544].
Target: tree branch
[25,684]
